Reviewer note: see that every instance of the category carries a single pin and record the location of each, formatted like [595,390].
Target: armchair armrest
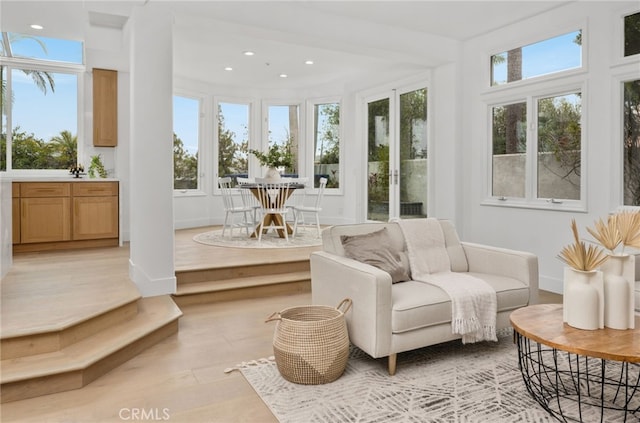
[519,265]
[334,278]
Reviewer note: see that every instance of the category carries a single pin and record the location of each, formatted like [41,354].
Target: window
[186,136]
[326,143]
[544,161]
[542,58]
[632,34]
[509,123]
[283,129]
[39,102]
[631,142]
[233,139]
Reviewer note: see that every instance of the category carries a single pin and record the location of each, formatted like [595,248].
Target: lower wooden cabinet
[55,215]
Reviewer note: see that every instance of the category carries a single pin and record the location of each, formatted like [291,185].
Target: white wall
[545,232]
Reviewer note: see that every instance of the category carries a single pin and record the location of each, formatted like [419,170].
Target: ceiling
[343,38]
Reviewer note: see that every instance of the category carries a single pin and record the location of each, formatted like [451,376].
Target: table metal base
[577,388]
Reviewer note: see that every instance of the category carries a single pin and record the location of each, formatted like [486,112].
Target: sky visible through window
[545,57]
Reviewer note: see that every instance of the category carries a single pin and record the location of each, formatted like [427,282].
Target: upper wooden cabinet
[105,108]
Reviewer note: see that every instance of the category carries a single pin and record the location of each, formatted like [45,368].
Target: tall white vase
[583,300]
[618,292]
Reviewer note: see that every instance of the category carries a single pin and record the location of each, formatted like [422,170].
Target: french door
[397,154]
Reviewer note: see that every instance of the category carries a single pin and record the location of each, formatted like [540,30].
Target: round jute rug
[307,237]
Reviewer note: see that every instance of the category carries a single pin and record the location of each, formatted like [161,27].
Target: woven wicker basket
[311,343]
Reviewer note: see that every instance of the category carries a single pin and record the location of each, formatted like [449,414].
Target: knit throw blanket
[473,301]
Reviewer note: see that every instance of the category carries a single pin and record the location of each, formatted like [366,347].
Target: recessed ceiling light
[36,26]
[308,62]
[248,53]
[228,68]
[283,75]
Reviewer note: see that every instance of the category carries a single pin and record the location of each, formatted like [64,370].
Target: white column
[151,261]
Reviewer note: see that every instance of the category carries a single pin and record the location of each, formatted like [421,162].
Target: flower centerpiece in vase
[620,231]
[278,157]
[583,298]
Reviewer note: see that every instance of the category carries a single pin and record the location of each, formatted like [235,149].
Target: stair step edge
[211,286]
[154,313]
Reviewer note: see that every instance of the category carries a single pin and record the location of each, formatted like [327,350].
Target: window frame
[618,52]
[78,70]
[202,153]
[263,143]
[531,97]
[309,158]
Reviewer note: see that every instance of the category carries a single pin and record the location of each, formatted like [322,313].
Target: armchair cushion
[376,249]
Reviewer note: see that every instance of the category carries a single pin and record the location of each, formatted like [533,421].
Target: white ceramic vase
[272,174]
[618,292]
[583,300]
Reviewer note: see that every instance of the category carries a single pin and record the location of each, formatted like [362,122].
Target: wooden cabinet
[60,215]
[95,210]
[44,212]
[105,108]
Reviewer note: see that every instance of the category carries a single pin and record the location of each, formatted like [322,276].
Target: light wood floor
[183,376]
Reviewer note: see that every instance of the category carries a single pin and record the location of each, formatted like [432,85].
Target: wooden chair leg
[392,364]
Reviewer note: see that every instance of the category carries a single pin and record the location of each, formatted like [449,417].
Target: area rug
[240,239]
[443,383]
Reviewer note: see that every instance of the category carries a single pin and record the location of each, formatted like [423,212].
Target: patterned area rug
[304,238]
[443,383]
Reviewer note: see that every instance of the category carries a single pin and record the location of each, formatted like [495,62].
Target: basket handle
[348,303]
[274,316]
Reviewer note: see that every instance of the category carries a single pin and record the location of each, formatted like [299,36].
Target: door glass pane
[378,160]
[509,139]
[186,115]
[233,140]
[326,141]
[559,146]
[284,131]
[413,154]
[631,140]
[3,117]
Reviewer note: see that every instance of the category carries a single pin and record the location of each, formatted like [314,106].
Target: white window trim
[618,58]
[302,134]
[628,73]
[530,200]
[252,134]
[202,165]
[309,158]
[68,68]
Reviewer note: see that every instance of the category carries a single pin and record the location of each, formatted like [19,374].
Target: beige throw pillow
[375,249]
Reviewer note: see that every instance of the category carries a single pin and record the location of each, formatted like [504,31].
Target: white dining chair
[248,199]
[297,196]
[272,197]
[314,209]
[233,206]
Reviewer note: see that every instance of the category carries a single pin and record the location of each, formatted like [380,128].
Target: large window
[539,162]
[631,143]
[284,129]
[326,143]
[233,139]
[186,136]
[39,102]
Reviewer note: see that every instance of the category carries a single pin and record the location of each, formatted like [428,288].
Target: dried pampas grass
[628,223]
[579,256]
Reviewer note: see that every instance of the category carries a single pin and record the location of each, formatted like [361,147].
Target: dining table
[272,218]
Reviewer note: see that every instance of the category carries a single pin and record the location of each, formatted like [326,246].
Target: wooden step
[205,285]
[80,363]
